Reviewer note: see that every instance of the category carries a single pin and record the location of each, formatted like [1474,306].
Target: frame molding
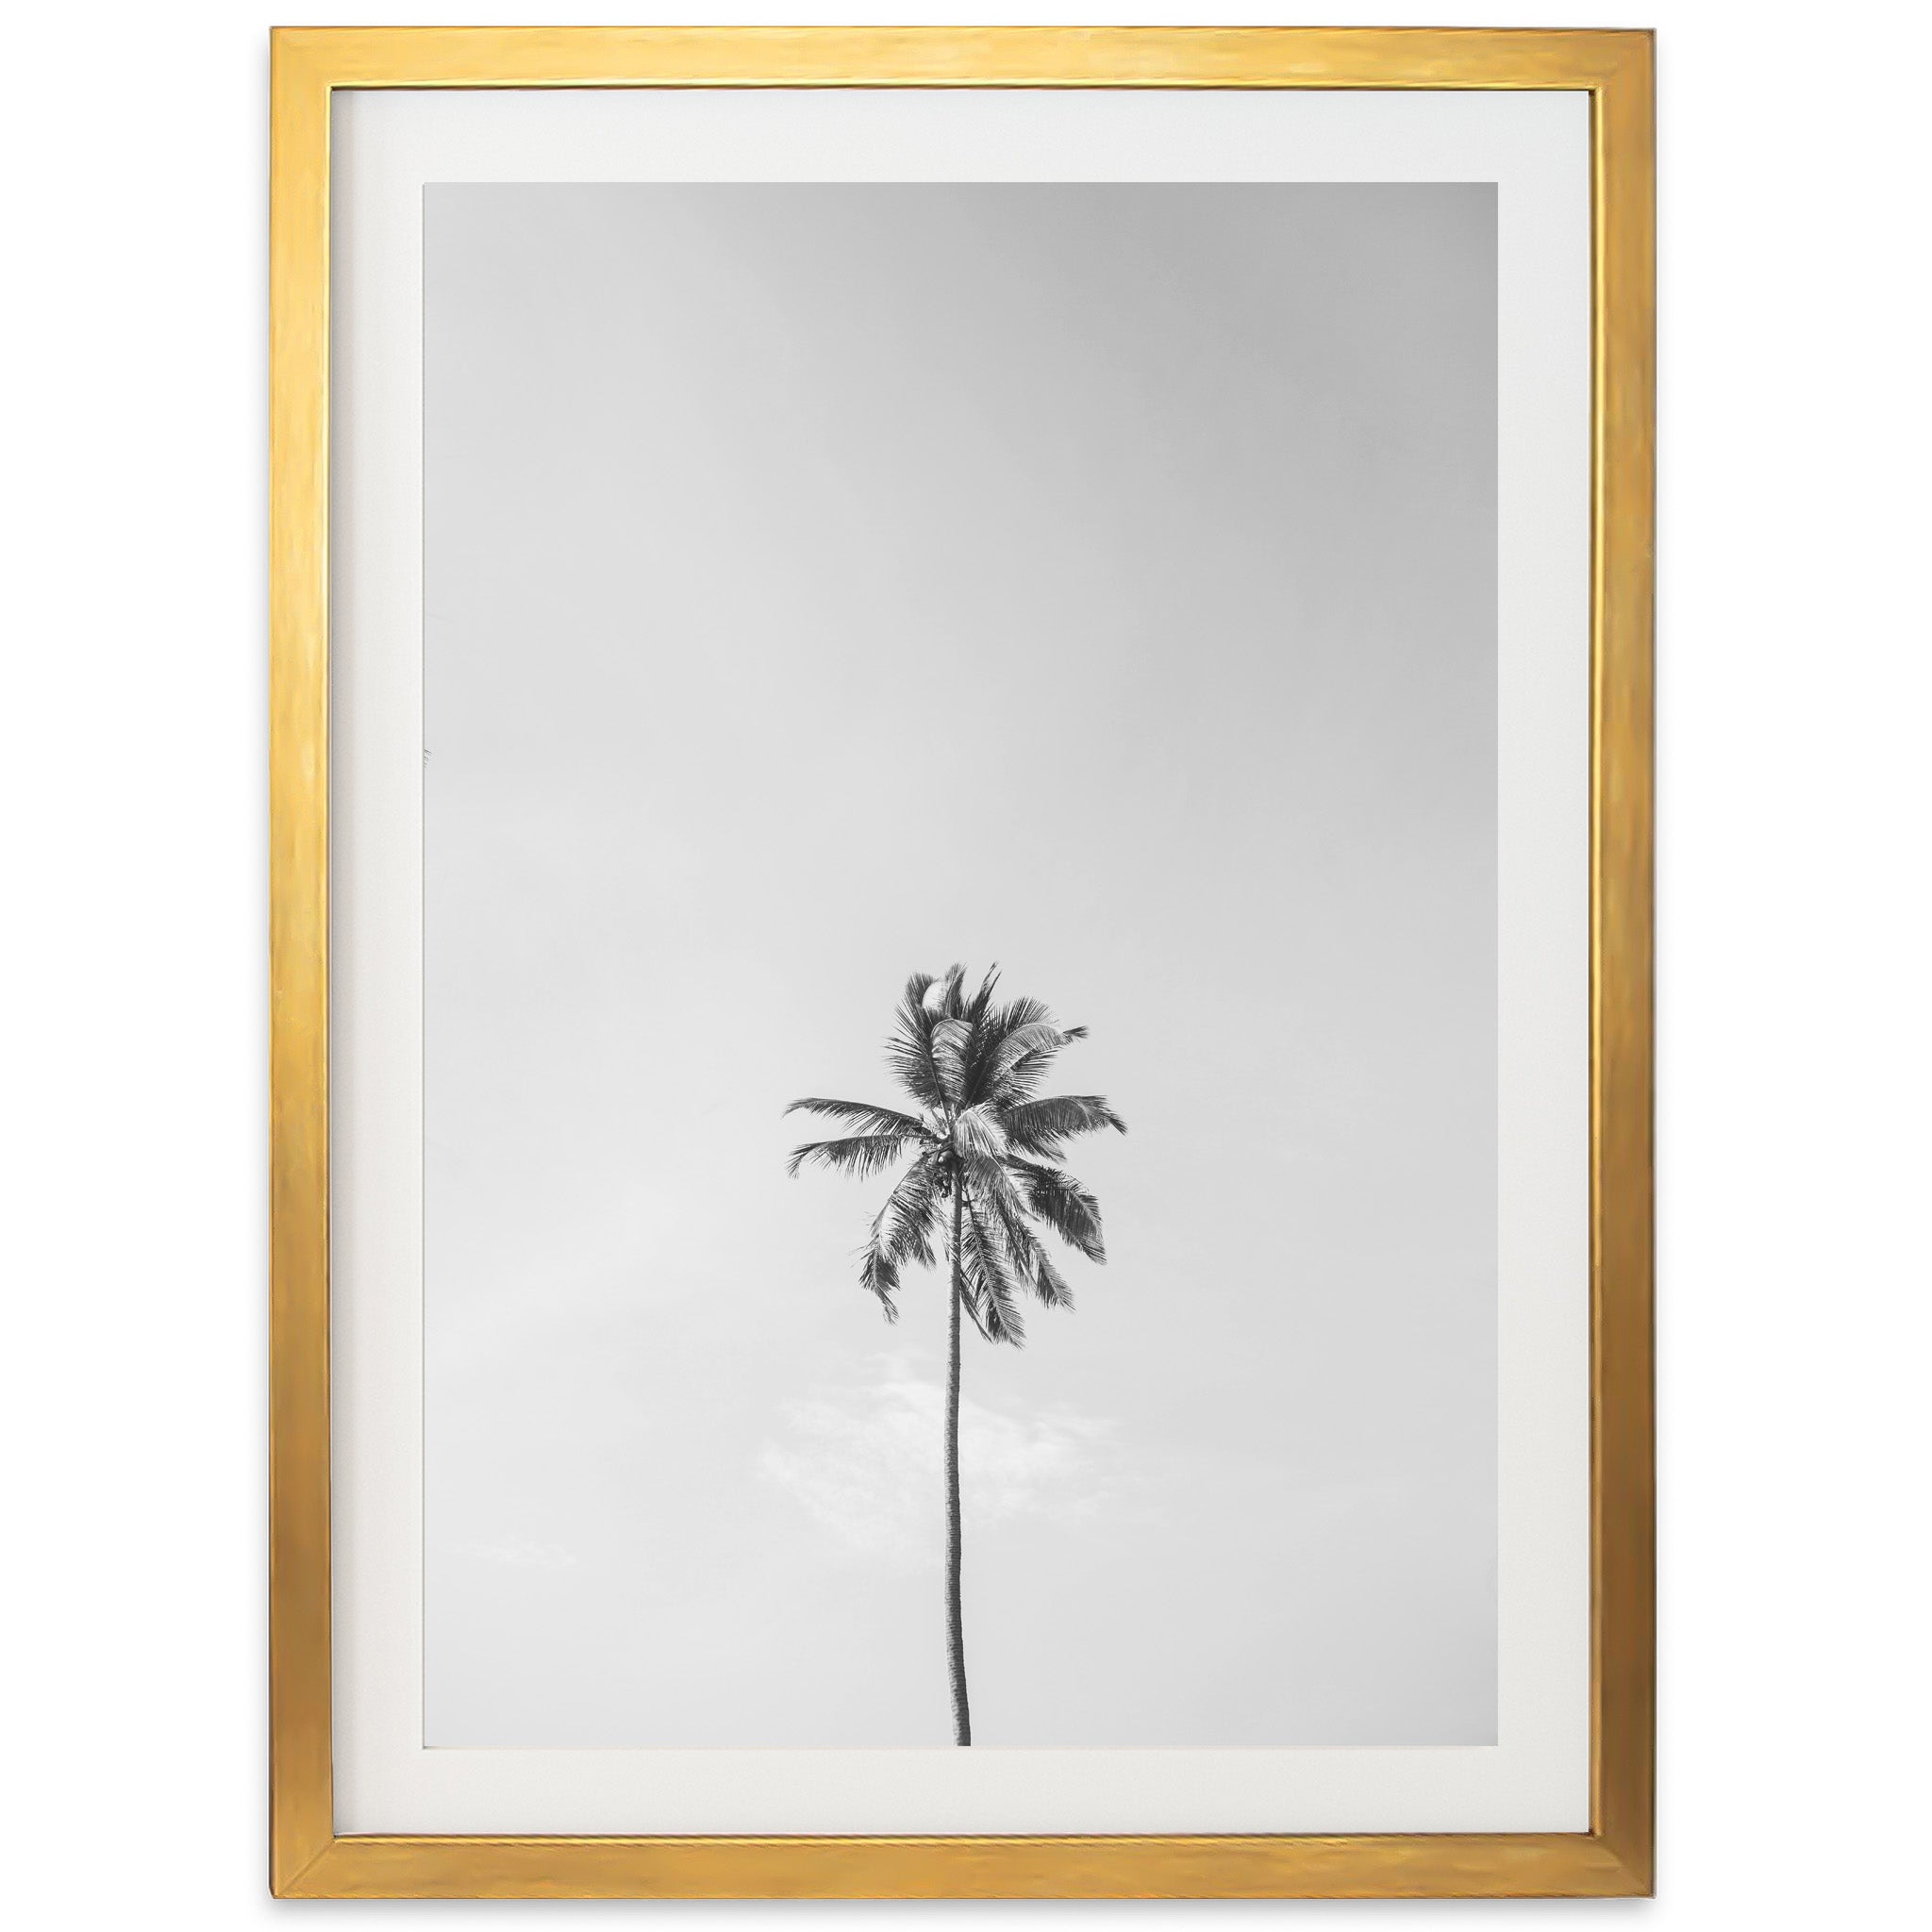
[1614,1858]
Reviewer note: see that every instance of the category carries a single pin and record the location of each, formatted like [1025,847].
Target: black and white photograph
[960,965]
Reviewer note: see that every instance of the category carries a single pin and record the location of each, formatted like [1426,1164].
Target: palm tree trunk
[955,1628]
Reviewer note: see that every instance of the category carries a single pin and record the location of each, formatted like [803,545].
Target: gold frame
[1613,1857]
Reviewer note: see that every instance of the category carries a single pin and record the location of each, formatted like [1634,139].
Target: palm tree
[984,1148]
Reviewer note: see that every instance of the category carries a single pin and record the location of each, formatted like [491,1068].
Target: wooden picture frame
[307,1858]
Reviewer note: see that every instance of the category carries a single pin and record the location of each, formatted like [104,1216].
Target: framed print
[960,949]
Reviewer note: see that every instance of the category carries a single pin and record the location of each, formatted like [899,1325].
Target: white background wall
[1793,1046]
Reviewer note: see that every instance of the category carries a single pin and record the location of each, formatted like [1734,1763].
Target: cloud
[865,1463]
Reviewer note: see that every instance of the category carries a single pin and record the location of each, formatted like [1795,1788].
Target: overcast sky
[829,582]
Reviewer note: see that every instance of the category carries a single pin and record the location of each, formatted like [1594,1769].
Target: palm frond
[908,1050]
[982,1019]
[952,1041]
[1024,1011]
[880,1277]
[905,1226]
[1001,1211]
[862,1113]
[911,1063]
[908,1054]
[1036,1042]
[857,1154]
[1020,1081]
[902,1231]
[1029,1062]
[1038,1126]
[944,997]
[1049,1284]
[991,1298]
[977,1130]
[1065,1206]
[989,1183]
[977,1008]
